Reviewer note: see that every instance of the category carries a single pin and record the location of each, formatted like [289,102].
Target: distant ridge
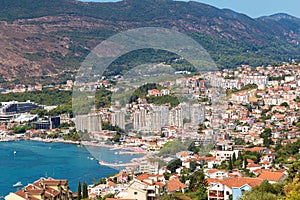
[50,38]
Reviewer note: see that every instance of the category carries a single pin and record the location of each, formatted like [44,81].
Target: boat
[15,152]
[18,184]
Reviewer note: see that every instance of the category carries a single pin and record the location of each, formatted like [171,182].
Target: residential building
[272,177]
[15,107]
[224,189]
[90,123]
[148,167]
[43,189]
[118,119]
[47,123]
[144,187]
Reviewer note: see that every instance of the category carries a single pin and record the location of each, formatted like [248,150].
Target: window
[135,193]
[227,193]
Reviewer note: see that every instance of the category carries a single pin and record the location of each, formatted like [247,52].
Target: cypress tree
[85,193]
[79,191]
[240,156]
[230,165]
[233,158]
[245,163]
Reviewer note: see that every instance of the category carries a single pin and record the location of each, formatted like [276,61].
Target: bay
[57,160]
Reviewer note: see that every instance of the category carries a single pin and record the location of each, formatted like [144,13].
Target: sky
[252,8]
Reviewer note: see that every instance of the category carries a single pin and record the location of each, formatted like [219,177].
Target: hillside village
[204,150]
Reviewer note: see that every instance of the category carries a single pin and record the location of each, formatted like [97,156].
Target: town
[230,134]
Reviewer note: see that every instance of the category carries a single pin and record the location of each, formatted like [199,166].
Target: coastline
[123,150]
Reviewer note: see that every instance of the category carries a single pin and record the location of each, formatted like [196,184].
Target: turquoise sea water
[57,160]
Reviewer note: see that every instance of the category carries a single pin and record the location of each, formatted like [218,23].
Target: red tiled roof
[175,185]
[253,165]
[41,187]
[271,176]
[142,177]
[240,181]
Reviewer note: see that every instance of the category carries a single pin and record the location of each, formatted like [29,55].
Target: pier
[101,162]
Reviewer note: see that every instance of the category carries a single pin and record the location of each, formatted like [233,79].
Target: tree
[233,157]
[266,135]
[240,156]
[292,190]
[174,164]
[200,194]
[175,196]
[285,104]
[245,163]
[197,180]
[108,196]
[84,190]
[258,195]
[293,171]
[79,191]
[193,148]
[265,191]
[230,165]
[239,141]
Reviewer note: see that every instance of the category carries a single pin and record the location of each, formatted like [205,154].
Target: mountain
[46,40]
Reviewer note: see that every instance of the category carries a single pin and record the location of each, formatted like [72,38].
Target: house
[216,173]
[148,167]
[253,167]
[272,177]
[122,177]
[96,190]
[174,185]
[224,189]
[224,155]
[45,189]
[262,150]
[144,187]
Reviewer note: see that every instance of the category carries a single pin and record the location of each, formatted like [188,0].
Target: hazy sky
[253,8]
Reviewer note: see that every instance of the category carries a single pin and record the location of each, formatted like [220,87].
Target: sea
[27,161]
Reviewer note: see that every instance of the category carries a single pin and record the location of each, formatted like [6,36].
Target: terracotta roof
[271,176]
[175,185]
[110,183]
[240,181]
[265,162]
[41,188]
[142,177]
[255,149]
[253,165]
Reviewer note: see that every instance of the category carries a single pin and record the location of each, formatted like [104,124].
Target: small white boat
[15,152]
[18,184]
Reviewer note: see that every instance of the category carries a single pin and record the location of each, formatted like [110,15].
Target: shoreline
[126,151]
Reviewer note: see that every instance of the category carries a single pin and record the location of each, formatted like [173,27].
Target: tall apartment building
[175,117]
[139,120]
[89,123]
[197,112]
[118,119]
[193,112]
[152,120]
[163,112]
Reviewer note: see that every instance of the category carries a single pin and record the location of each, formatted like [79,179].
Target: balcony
[151,195]
[216,195]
